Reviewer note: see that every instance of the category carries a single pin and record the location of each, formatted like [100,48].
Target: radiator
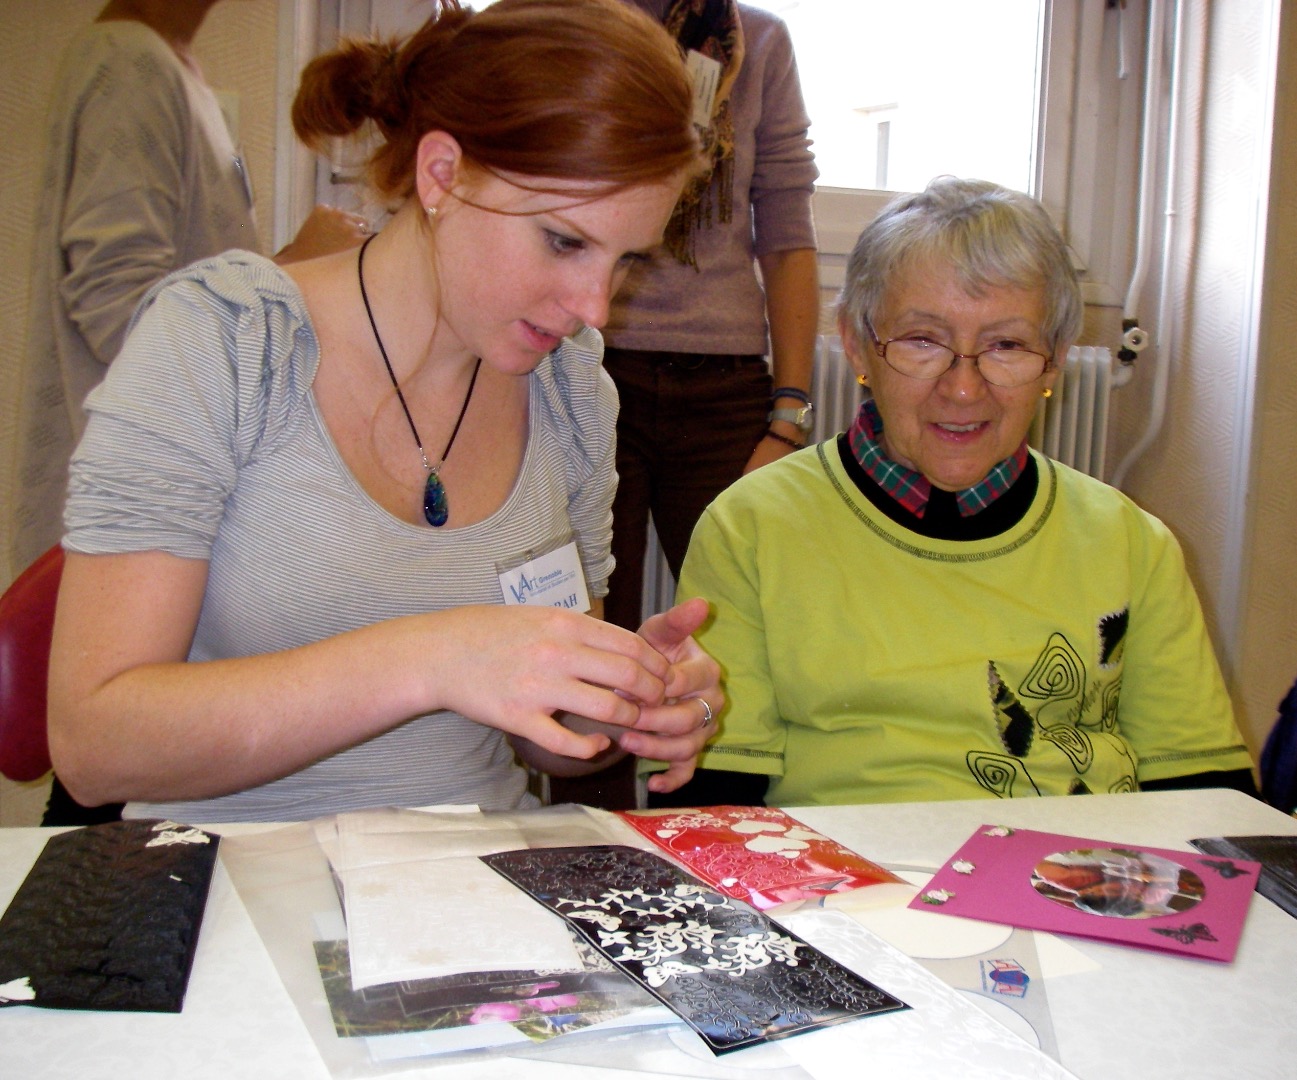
[833,389]
[1071,426]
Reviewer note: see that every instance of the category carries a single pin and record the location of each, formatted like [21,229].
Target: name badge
[705,74]
[551,580]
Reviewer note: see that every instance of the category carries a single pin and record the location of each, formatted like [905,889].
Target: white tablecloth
[1140,1014]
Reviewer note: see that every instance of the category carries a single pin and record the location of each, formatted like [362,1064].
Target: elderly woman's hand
[673,729]
[677,730]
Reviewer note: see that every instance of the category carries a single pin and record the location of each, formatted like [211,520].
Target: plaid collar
[911,489]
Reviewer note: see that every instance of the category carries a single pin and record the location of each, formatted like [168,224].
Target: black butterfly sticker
[1186,935]
[1225,868]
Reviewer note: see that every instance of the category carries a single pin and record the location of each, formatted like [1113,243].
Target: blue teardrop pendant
[435,509]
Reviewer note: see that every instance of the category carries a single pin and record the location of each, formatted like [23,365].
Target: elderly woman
[924,607]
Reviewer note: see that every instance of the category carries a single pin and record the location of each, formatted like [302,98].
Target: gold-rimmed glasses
[918,357]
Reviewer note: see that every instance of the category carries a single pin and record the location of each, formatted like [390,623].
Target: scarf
[911,489]
[712,28]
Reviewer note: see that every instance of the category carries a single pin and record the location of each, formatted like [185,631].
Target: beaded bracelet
[785,440]
[792,392]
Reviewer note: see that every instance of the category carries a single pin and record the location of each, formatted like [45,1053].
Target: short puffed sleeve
[217,367]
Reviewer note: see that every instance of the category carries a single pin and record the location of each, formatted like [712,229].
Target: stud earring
[431,212]
[1047,393]
[863,380]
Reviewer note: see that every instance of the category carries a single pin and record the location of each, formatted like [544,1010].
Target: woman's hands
[131,718]
[515,667]
[676,730]
[653,712]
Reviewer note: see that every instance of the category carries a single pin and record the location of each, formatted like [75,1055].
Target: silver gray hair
[991,235]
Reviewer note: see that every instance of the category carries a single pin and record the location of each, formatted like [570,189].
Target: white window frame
[1082,122]
[1076,121]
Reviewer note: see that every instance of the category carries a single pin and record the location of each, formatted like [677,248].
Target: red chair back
[26,628]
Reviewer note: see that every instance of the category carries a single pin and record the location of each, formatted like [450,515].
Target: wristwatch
[802,418]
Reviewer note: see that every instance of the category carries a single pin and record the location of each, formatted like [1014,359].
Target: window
[1035,94]
[893,103]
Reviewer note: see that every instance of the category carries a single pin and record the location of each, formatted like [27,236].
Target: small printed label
[705,74]
[551,580]
[1007,978]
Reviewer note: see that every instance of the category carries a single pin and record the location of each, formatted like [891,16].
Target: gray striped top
[205,441]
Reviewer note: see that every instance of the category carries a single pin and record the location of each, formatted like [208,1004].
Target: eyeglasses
[922,358]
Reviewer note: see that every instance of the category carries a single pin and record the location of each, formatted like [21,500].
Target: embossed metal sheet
[731,973]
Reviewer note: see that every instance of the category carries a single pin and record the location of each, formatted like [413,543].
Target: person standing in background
[141,178]
[689,332]
[687,340]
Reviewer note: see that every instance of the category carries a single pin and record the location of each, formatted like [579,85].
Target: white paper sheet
[943,1033]
[930,936]
[420,906]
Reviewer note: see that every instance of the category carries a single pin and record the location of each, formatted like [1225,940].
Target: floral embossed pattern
[757,853]
[732,974]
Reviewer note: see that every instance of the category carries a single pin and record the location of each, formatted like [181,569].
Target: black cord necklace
[436,511]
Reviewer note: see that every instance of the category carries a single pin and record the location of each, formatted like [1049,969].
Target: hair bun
[586,90]
[335,96]
[383,91]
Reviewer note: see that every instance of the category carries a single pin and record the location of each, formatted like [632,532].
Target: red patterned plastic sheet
[758,854]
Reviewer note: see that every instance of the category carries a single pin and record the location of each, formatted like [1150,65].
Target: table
[1141,1014]
[1144,1014]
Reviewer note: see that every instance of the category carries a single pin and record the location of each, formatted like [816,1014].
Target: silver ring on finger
[708,715]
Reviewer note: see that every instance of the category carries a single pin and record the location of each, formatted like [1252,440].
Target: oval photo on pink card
[1117,883]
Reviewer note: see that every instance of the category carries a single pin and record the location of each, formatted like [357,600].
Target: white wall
[1218,472]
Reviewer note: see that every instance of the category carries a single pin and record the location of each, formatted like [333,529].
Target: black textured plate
[107,918]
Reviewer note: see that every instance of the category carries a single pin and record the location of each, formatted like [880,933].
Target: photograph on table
[1117,882]
[1154,898]
[479,1008]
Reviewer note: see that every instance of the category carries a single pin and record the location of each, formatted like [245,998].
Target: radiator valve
[1134,339]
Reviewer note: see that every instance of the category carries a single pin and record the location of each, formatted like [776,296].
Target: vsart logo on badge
[528,586]
[551,580]
[523,590]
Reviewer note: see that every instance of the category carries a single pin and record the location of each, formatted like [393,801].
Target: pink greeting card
[1175,901]
[757,854]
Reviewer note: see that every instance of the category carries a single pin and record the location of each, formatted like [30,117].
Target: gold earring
[863,380]
[1047,393]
